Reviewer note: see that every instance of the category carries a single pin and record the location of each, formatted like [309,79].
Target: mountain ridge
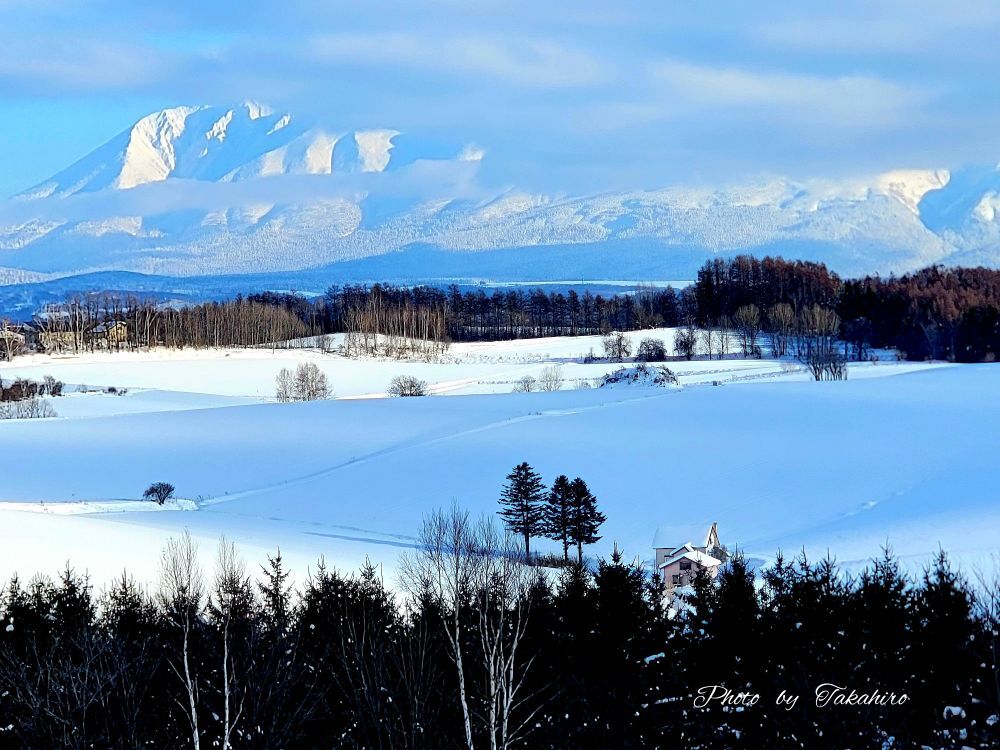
[280,212]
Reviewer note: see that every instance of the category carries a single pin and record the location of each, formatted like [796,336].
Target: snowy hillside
[352,478]
[212,190]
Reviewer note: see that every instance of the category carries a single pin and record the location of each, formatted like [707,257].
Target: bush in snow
[52,386]
[652,350]
[307,383]
[159,492]
[525,385]
[30,408]
[551,378]
[641,374]
[407,385]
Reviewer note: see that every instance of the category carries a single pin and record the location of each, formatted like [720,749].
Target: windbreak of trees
[441,315]
[390,322]
[936,313]
[115,323]
[795,308]
[483,652]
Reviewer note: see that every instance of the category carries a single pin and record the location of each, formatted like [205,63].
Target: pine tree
[558,513]
[585,519]
[522,499]
[276,592]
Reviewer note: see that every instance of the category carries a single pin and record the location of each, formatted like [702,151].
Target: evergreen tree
[558,513]
[276,592]
[620,639]
[585,518]
[521,500]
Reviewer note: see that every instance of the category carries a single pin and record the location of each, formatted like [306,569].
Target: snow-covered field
[900,453]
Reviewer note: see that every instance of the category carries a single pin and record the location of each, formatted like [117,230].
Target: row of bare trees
[115,323]
[378,325]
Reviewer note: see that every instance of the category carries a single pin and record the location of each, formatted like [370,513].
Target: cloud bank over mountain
[579,97]
[208,190]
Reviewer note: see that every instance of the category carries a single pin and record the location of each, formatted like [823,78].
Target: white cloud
[45,64]
[554,89]
[534,63]
[888,27]
[843,101]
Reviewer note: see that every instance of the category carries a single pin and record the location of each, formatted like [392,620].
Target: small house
[12,341]
[111,333]
[682,551]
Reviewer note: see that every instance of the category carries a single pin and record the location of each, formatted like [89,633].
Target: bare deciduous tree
[781,324]
[477,576]
[231,598]
[708,340]
[748,325]
[407,385]
[725,328]
[284,388]
[616,345]
[525,385]
[551,378]
[686,341]
[308,383]
[651,350]
[182,596]
[818,329]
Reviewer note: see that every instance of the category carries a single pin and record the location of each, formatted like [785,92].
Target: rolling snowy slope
[778,461]
[202,190]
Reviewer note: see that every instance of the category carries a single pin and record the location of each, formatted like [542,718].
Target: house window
[676,580]
[685,565]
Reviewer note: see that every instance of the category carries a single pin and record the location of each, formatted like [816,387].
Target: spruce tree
[521,500]
[558,513]
[276,593]
[585,519]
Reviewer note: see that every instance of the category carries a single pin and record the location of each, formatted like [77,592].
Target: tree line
[798,308]
[936,313]
[481,651]
[110,322]
[474,315]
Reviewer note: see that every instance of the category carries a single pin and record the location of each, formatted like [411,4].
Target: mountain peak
[217,143]
[893,221]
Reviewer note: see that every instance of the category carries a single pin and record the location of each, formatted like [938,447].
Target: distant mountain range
[207,191]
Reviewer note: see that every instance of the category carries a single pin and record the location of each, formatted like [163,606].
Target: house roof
[673,537]
[688,553]
[103,327]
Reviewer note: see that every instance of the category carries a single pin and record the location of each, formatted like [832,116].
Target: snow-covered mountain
[212,190]
[216,144]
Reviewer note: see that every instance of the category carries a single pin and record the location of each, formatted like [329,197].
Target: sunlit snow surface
[901,453]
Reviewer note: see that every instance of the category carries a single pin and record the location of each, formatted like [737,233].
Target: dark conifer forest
[479,651]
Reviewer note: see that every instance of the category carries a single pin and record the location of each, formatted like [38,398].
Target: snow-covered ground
[487,367]
[779,461]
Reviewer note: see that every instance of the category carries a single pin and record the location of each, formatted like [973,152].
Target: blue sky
[563,96]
